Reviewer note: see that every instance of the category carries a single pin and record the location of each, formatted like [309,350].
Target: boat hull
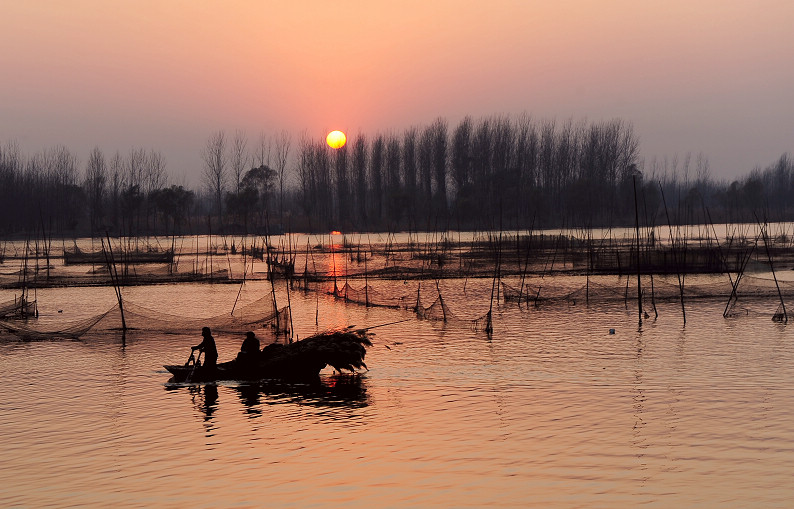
[234,370]
[301,360]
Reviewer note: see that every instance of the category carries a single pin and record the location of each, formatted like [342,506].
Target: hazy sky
[692,76]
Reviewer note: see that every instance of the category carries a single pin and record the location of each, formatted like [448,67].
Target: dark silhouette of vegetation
[520,171]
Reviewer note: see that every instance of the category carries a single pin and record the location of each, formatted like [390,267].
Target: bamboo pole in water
[769,256]
[114,277]
[739,277]
[637,230]
[675,258]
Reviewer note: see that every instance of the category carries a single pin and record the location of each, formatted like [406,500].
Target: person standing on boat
[208,347]
[249,351]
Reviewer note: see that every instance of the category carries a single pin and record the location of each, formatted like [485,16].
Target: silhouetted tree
[214,156]
[283,142]
[360,176]
[238,160]
[376,163]
[410,172]
[342,185]
[94,184]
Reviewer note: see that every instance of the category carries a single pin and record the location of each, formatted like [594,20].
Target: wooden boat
[344,350]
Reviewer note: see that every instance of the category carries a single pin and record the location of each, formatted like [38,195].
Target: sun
[336,139]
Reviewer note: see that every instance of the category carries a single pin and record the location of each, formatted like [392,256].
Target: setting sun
[336,139]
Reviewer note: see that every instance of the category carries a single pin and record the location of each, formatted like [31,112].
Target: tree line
[486,173]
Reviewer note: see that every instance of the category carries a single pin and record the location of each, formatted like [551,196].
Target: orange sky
[691,76]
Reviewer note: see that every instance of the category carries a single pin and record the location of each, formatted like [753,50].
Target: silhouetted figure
[249,351]
[208,347]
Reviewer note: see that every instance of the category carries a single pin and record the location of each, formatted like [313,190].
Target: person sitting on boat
[249,351]
[208,347]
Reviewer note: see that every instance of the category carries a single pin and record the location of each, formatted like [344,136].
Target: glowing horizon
[691,78]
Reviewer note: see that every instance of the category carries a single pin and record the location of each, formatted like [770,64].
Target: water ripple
[550,410]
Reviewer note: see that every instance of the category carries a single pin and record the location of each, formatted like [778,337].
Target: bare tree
[214,156]
[282,142]
[154,176]
[376,168]
[136,168]
[527,145]
[360,175]
[65,200]
[342,184]
[425,162]
[11,201]
[546,156]
[154,179]
[239,158]
[263,150]
[305,174]
[95,183]
[395,199]
[314,170]
[410,170]
[116,186]
[461,154]
[440,156]
[131,196]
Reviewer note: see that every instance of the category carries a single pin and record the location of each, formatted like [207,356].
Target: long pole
[769,256]
[739,275]
[114,277]
[675,258]
[637,228]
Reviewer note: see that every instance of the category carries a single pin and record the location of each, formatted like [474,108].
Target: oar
[196,362]
[190,359]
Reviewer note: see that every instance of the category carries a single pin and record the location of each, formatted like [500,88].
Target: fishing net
[666,287]
[437,311]
[17,308]
[781,315]
[257,315]
[740,307]
[483,323]
[368,296]
[755,296]
[524,293]
[307,282]
[71,330]
[542,291]
[760,294]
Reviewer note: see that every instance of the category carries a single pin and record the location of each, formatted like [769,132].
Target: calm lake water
[551,410]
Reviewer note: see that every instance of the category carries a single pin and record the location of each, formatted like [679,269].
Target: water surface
[551,410]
